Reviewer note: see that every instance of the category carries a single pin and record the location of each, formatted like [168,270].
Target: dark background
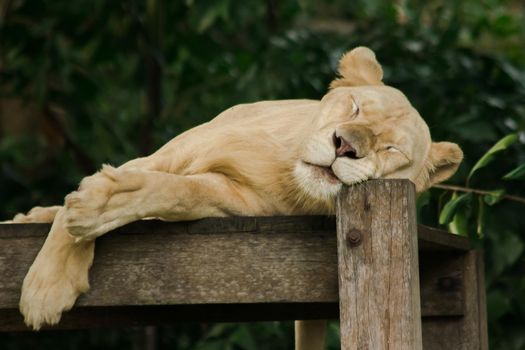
[88,82]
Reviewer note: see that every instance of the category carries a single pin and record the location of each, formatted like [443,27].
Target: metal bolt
[354,237]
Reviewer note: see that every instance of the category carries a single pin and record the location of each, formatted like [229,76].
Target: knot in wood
[448,284]
[353,237]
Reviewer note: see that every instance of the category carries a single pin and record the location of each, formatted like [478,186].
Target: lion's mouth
[324,172]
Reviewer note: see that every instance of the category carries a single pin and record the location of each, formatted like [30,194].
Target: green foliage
[488,157]
[493,197]
[503,243]
[448,211]
[516,174]
[107,81]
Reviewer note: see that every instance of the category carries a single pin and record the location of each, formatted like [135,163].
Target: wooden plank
[442,283]
[156,263]
[178,267]
[379,298]
[433,239]
[474,320]
[443,333]
[429,238]
[482,301]
[470,330]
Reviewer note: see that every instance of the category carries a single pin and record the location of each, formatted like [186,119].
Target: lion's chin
[323,173]
[317,181]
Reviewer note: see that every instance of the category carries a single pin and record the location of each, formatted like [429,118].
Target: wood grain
[379,298]
[251,260]
[211,261]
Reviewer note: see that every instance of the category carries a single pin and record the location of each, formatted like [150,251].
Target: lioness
[287,157]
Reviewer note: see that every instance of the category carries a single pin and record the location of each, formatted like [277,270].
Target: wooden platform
[243,269]
[234,269]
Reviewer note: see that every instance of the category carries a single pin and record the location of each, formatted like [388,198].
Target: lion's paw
[45,297]
[36,215]
[99,204]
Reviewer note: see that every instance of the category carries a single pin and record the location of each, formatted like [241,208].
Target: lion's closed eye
[394,157]
[394,149]
[355,108]
[391,148]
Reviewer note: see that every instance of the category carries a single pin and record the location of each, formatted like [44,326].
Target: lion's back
[266,111]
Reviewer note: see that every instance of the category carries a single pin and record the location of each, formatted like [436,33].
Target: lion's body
[255,145]
[266,158]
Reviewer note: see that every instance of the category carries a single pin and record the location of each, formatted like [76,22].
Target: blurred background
[88,82]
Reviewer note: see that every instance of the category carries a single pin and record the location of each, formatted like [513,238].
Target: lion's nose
[343,148]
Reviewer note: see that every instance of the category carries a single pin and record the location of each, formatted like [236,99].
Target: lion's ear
[359,67]
[443,161]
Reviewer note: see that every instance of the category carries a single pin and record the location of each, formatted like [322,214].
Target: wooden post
[379,298]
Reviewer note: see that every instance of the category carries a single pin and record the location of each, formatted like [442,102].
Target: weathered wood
[442,283]
[481,301]
[258,260]
[379,298]
[248,260]
[470,330]
[153,252]
[433,239]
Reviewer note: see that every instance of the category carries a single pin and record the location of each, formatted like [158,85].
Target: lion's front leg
[57,277]
[102,202]
[116,196]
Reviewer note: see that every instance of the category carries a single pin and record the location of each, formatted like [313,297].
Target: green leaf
[481,220]
[493,197]
[516,174]
[459,223]
[448,211]
[488,157]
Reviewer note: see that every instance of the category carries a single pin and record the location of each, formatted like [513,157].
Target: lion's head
[366,130]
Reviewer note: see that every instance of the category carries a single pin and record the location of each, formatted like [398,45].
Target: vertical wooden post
[378,266]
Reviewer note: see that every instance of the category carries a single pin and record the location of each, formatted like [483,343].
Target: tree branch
[478,191]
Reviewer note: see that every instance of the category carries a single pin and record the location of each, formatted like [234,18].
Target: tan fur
[359,67]
[265,158]
[36,215]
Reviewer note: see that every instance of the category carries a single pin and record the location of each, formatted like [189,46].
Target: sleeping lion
[288,157]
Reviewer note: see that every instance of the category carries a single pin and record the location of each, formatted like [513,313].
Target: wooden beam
[470,330]
[267,266]
[379,298]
